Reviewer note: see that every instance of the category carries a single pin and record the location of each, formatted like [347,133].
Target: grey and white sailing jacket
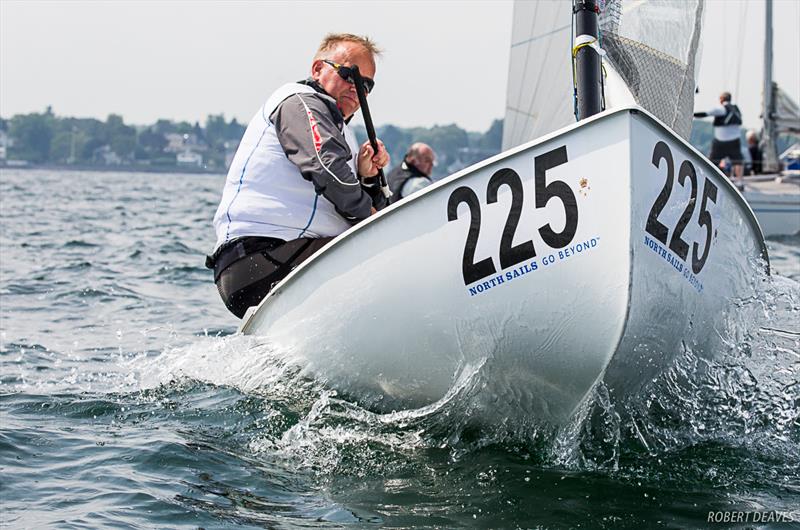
[294,173]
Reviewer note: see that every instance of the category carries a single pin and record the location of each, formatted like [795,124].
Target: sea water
[127,401]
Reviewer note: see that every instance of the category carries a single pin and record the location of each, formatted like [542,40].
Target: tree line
[44,138]
[47,139]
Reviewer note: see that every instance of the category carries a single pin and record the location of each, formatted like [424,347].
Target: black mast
[587,59]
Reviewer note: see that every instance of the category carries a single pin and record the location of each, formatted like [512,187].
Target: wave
[746,397]
[695,417]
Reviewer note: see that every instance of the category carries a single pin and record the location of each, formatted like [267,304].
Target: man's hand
[368,162]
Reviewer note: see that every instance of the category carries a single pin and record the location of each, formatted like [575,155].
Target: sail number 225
[509,253]
[654,227]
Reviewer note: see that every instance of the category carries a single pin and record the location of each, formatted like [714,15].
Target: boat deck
[773,184]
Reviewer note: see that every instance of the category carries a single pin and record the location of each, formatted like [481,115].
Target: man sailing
[298,178]
[727,133]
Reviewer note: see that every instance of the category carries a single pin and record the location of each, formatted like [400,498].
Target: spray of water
[747,395]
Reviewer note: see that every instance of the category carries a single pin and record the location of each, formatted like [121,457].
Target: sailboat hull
[776,204]
[544,269]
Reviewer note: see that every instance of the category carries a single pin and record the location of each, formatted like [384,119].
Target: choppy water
[125,400]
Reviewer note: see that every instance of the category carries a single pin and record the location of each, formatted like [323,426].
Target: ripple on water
[79,243]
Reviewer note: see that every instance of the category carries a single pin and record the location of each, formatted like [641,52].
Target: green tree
[121,137]
[32,134]
[164,127]
[151,141]
[396,140]
[215,129]
[492,140]
[183,127]
[61,146]
[444,138]
[234,130]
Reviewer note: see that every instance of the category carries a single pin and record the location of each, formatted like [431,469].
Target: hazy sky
[444,61]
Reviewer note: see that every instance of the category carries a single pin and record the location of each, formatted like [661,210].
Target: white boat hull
[577,288]
[776,204]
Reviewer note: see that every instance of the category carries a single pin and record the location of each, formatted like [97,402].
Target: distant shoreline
[118,169]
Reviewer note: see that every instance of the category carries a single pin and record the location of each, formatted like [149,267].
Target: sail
[539,90]
[787,112]
[650,61]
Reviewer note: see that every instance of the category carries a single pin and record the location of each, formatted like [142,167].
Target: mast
[768,139]
[587,59]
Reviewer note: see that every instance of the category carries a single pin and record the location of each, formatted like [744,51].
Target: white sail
[650,61]
[787,112]
[539,90]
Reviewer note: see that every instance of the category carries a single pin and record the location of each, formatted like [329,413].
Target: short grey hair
[332,40]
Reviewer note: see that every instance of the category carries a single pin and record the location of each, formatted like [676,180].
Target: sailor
[756,156]
[298,178]
[727,131]
[414,173]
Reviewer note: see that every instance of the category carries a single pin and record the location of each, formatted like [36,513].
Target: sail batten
[537,37]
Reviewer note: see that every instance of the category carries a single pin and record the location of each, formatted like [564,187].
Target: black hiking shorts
[246,269]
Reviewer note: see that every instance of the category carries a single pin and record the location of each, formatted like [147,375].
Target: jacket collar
[331,101]
[413,169]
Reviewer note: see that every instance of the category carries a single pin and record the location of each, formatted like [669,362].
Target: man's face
[344,92]
[424,160]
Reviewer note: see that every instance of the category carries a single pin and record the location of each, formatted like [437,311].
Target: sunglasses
[346,73]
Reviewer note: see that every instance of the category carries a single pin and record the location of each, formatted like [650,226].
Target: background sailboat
[775,196]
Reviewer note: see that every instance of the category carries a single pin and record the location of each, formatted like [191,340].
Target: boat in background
[775,200]
[775,195]
[597,251]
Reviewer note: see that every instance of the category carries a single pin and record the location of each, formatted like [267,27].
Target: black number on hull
[654,227]
[509,254]
[677,244]
[709,192]
[559,189]
[472,271]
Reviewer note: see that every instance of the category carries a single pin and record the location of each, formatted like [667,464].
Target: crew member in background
[414,173]
[298,178]
[756,157]
[727,131]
